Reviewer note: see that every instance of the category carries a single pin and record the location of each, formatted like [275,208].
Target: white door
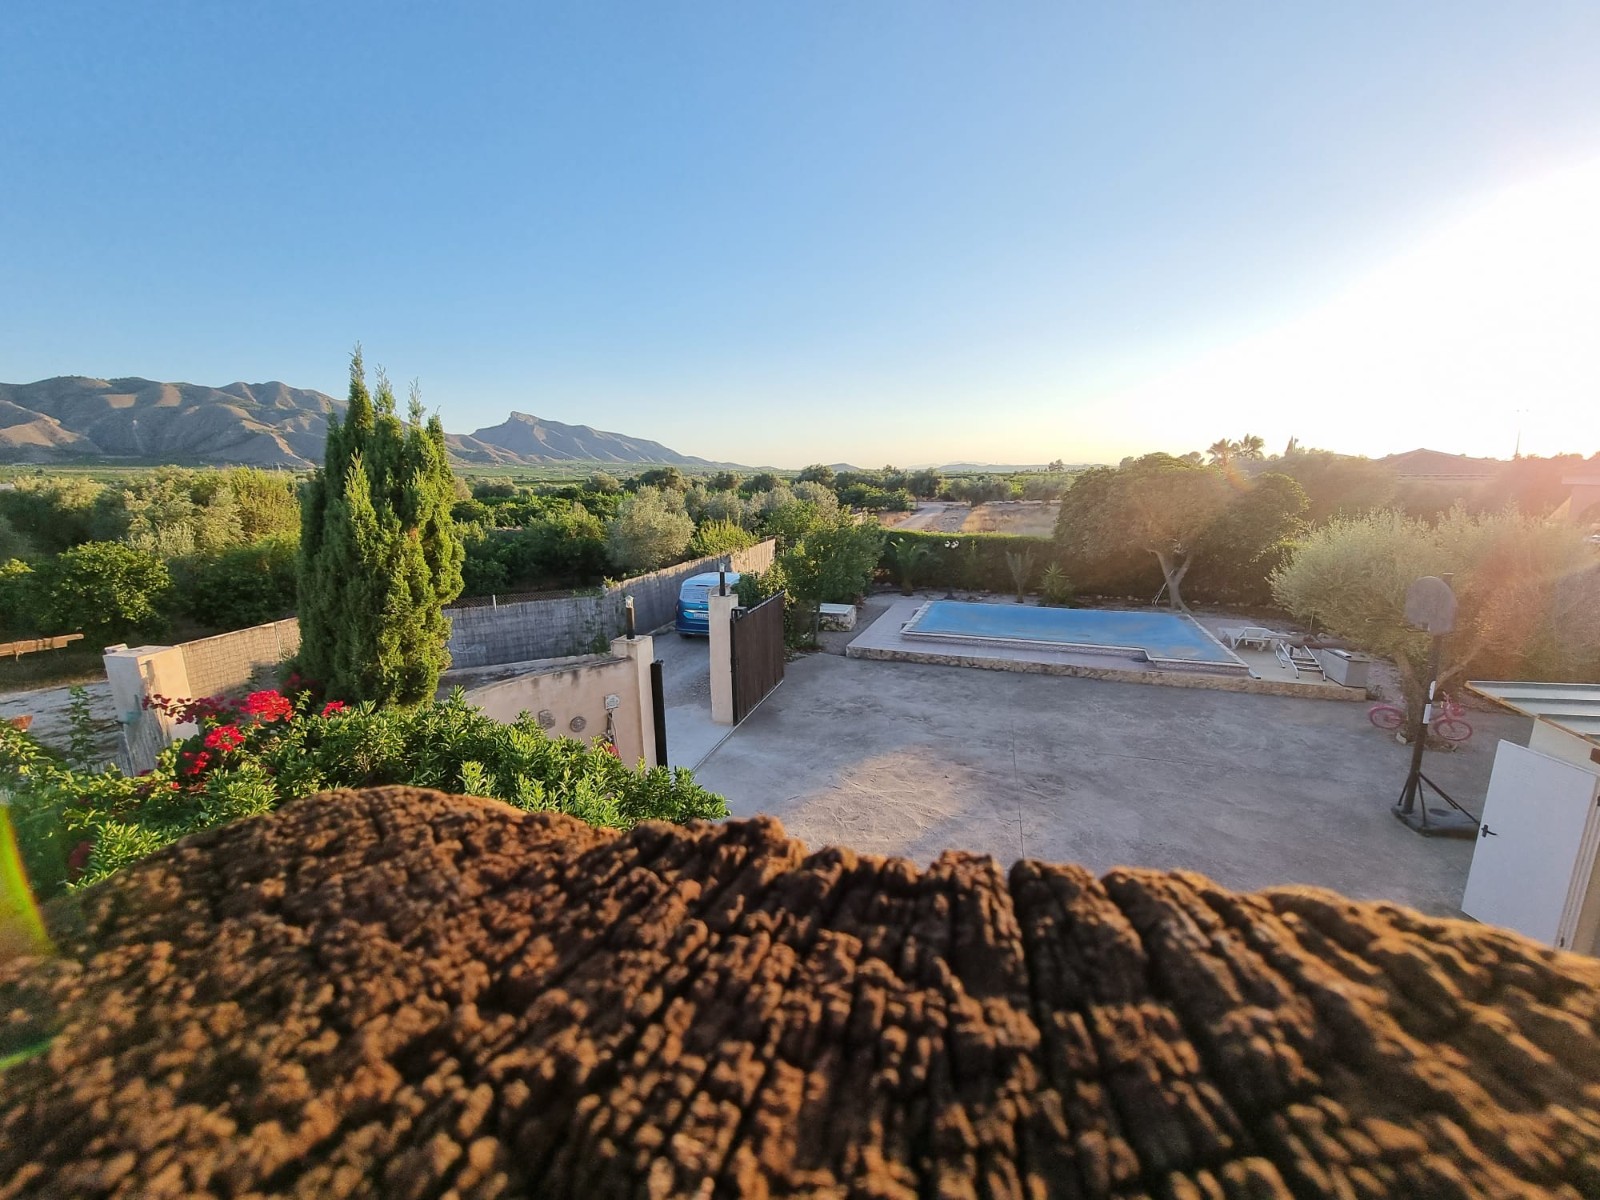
[1535,819]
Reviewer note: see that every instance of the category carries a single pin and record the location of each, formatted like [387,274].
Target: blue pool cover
[1159,635]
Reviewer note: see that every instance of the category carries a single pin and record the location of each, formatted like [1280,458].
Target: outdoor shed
[1536,867]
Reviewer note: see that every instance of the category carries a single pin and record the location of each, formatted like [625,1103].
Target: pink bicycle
[1448,721]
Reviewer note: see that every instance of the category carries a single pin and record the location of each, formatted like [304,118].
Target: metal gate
[757,647]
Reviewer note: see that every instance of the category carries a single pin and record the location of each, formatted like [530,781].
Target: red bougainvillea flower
[197,762]
[333,706]
[268,706]
[225,737]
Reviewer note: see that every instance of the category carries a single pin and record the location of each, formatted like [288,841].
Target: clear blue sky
[775,233]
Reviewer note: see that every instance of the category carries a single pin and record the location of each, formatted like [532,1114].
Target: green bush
[720,537]
[251,759]
[970,561]
[244,586]
[104,590]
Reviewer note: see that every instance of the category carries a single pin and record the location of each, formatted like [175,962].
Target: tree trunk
[1174,574]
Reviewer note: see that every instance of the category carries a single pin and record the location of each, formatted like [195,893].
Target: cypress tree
[379,557]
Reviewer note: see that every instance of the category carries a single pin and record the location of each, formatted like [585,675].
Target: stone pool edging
[1221,683]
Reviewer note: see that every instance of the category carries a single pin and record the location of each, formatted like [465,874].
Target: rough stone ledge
[398,993]
[1220,683]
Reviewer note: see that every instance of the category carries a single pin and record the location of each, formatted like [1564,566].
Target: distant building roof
[1436,464]
[1575,707]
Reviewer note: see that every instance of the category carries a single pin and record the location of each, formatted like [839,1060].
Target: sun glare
[1488,330]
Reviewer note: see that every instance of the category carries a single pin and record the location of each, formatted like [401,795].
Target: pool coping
[1231,667]
[882,641]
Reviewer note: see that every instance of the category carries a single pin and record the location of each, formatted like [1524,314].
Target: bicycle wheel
[1386,716]
[1452,729]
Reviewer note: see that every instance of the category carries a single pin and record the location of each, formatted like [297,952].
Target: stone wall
[229,662]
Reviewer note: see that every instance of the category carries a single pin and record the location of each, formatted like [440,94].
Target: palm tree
[1251,447]
[1222,452]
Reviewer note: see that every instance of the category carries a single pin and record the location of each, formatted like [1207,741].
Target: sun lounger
[1246,635]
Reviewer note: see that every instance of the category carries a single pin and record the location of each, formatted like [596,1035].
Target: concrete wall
[585,693]
[482,637]
[233,661]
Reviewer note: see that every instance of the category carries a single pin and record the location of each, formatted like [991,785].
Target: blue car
[692,600]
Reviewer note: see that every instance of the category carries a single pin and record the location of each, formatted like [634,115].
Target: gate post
[719,615]
[642,651]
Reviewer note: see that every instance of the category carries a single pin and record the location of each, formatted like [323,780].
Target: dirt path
[936,518]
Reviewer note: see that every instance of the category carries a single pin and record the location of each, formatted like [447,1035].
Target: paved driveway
[907,759]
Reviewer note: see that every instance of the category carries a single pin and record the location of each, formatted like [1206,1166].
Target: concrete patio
[1253,790]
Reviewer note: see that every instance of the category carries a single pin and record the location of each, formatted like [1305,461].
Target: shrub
[834,563]
[1055,586]
[720,537]
[104,590]
[903,559]
[244,586]
[249,757]
[972,561]
[16,580]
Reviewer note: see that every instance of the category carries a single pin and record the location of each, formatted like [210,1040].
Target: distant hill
[76,419]
[521,438]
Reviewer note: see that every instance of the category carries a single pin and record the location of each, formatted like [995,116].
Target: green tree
[243,585]
[763,481]
[724,481]
[379,556]
[834,562]
[602,481]
[662,477]
[1528,593]
[104,590]
[268,504]
[816,473]
[650,530]
[1250,539]
[1161,505]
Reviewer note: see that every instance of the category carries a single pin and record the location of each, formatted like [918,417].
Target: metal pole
[627,608]
[722,581]
[1419,735]
[658,711]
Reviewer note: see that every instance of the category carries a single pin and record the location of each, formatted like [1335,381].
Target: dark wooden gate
[757,654]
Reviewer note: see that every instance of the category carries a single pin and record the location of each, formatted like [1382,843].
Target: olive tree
[650,530]
[1528,593]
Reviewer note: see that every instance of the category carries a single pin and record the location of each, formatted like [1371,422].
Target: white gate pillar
[719,614]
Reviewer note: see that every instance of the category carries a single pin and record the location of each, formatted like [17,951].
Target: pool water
[1163,639]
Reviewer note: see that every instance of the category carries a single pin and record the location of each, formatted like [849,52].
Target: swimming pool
[1167,640]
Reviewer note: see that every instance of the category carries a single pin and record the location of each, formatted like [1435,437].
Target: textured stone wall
[398,994]
[230,662]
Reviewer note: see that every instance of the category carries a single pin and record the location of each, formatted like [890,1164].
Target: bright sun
[1490,327]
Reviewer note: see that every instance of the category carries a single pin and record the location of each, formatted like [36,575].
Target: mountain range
[142,421]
